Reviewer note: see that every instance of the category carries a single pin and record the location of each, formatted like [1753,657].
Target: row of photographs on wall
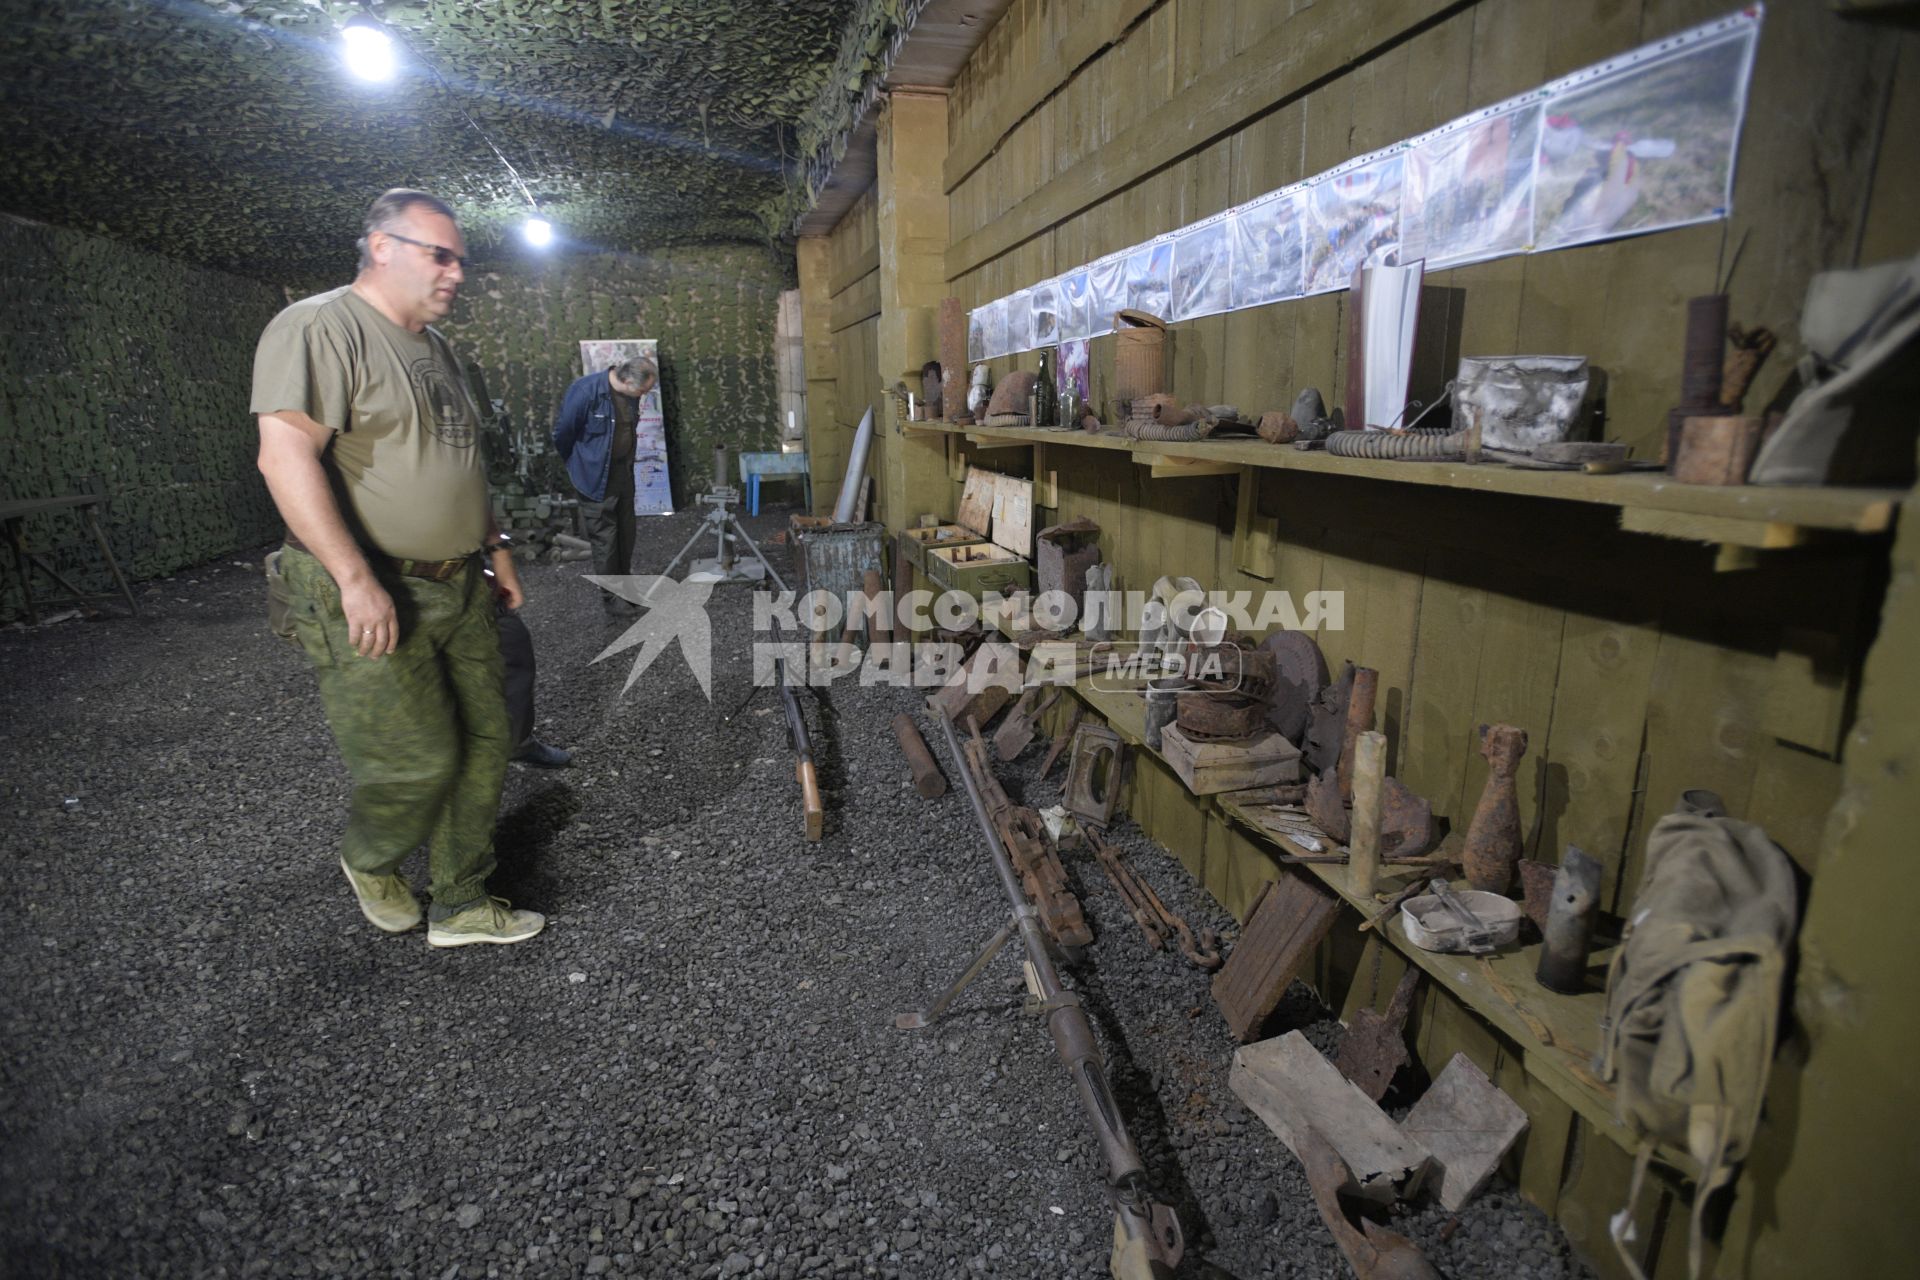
[1643,142]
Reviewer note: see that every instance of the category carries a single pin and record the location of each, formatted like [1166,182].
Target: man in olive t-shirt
[369,445]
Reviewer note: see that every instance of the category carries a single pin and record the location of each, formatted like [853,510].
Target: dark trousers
[611,528]
[516,651]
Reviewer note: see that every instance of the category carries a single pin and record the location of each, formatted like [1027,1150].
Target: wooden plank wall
[1629,693]
[1636,669]
[853,282]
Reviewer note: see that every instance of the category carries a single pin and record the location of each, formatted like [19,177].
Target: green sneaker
[488,920]
[385,900]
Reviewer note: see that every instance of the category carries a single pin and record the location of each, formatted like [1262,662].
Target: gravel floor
[214,1066]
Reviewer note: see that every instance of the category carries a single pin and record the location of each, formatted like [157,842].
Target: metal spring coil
[1419,445]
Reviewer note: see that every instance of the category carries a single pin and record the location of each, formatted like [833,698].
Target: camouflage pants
[423,730]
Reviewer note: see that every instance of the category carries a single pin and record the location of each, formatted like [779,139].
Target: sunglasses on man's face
[443,257]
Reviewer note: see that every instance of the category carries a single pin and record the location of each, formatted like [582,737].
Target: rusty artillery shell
[927,778]
[1569,932]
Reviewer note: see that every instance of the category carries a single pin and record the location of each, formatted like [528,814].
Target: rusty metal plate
[1299,674]
[1286,925]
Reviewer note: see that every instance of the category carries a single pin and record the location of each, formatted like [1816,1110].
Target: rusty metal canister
[1139,356]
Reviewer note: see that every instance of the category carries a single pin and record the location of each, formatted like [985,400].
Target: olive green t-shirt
[405,458]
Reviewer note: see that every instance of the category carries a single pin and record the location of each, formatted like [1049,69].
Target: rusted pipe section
[927,778]
[1359,720]
[880,625]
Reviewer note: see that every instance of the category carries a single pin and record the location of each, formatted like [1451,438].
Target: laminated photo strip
[1019,332]
[1075,316]
[1352,220]
[1150,277]
[1203,269]
[1268,253]
[1106,292]
[1468,192]
[1645,142]
[1043,302]
[1642,142]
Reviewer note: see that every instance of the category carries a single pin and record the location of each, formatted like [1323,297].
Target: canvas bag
[1693,1002]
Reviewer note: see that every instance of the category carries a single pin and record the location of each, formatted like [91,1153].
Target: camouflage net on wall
[712,309]
[226,131]
[126,374]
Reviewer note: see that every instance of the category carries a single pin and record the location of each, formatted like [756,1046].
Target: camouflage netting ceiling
[227,132]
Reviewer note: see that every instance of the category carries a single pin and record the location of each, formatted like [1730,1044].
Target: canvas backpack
[1693,1002]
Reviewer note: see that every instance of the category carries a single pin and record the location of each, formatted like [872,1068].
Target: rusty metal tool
[1147,1239]
[1374,1252]
[1062,742]
[1204,954]
[927,778]
[1375,1046]
[1017,730]
[1381,916]
[1155,918]
[1123,881]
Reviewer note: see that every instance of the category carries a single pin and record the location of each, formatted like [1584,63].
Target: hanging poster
[1469,189]
[1644,146]
[1352,218]
[1267,250]
[1203,270]
[1107,293]
[652,485]
[1045,303]
[1075,294]
[1019,324]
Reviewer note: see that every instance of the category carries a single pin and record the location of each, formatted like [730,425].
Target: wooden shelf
[1758,516]
[1555,1035]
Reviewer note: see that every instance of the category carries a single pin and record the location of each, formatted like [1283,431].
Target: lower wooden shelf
[1555,1036]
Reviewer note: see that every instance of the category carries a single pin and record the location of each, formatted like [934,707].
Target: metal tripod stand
[725,566]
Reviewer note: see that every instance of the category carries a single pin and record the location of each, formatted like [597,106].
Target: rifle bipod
[1147,1241]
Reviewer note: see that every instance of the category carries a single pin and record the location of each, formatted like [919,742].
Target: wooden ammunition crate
[918,541]
[977,569]
[1003,506]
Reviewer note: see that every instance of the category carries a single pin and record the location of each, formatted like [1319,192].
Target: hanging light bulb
[538,232]
[368,49]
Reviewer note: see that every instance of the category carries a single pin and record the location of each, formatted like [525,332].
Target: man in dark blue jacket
[594,433]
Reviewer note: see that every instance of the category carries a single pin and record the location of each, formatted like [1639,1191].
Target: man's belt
[431,570]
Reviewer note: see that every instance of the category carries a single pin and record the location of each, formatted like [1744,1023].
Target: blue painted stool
[756,466]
